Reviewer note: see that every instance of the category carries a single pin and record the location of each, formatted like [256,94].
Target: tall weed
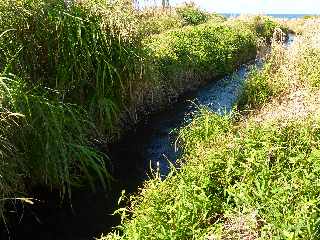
[81,51]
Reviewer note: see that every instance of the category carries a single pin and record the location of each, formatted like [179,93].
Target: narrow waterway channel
[151,144]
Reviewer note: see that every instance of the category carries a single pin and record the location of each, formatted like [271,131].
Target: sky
[256,6]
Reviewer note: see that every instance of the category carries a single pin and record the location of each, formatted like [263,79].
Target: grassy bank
[286,71]
[255,181]
[74,76]
[253,174]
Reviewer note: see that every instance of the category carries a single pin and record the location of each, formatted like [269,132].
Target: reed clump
[63,69]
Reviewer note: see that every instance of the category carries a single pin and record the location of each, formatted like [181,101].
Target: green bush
[236,180]
[191,15]
[265,26]
[215,17]
[205,51]
[256,91]
[158,22]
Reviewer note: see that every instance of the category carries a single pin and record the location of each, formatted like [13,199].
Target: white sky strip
[253,6]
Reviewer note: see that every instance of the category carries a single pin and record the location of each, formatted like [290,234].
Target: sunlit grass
[237,180]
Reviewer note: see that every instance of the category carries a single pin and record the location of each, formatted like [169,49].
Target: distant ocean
[287,16]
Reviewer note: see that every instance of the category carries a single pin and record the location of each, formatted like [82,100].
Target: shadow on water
[151,144]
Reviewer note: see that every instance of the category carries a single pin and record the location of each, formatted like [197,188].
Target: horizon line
[318,14]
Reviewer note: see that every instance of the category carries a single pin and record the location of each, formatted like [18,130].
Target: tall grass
[44,142]
[11,183]
[55,77]
[81,51]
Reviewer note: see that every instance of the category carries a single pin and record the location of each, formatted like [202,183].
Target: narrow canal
[152,144]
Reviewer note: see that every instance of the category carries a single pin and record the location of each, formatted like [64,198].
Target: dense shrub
[264,27]
[202,52]
[215,17]
[191,15]
[237,180]
[155,21]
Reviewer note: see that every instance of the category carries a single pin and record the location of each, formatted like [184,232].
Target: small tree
[191,14]
[165,3]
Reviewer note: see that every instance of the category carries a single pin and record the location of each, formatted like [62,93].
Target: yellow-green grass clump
[237,180]
[286,71]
